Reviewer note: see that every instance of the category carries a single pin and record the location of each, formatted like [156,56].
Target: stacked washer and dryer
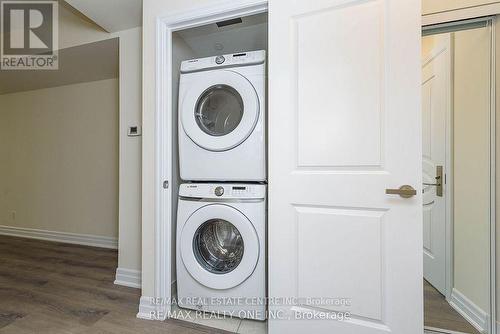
[221,219]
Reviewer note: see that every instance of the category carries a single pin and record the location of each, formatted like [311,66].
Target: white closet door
[436,99]
[344,126]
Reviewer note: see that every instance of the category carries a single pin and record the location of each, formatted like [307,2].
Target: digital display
[239,188]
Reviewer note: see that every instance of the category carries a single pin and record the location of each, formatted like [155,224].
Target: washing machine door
[219,110]
[219,246]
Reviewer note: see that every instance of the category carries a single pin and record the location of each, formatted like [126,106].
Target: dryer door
[219,110]
[219,246]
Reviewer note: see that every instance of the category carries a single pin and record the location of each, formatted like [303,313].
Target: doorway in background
[457,139]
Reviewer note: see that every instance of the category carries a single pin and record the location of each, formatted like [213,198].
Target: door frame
[448,188]
[459,14]
[446,20]
[164,159]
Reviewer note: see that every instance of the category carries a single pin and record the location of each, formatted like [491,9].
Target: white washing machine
[221,249]
[222,118]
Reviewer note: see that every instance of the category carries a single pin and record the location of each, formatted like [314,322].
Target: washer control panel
[228,191]
[234,59]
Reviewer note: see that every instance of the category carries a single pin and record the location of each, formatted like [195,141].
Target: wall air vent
[229,22]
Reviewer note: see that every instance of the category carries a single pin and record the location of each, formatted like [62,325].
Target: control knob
[219,191]
[219,60]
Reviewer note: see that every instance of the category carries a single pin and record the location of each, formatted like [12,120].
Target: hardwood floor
[53,288]
[439,314]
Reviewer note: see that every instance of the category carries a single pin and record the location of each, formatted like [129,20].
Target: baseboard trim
[470,311]
[148,310]
[64,237]
[128,277]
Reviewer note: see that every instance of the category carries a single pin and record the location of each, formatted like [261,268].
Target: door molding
[165,26]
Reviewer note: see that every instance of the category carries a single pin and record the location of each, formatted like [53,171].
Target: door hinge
[165,184]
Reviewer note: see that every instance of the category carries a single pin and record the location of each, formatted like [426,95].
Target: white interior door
[345,125]
[435,110]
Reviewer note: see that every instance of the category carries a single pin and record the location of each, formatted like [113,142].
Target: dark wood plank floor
[48,287]
[439,314]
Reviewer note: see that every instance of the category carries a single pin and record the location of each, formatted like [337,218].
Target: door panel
[345,125]
[360,236]
[323,123]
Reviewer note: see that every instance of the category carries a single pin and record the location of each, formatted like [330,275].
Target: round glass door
[219,110]
[218,246]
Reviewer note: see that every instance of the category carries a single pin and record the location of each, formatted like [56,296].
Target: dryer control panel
[228,60]
[223,190]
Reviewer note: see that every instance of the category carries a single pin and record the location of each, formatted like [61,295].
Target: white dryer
[222,118]
[221,249]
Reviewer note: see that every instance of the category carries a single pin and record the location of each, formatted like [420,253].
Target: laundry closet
[219,181]
[343,161]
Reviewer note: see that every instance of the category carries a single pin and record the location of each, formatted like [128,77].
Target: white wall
[61,159]
[471,164]
[73,30]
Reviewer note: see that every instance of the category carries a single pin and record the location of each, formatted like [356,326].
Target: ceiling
[84,63]
[210,40]
[111,15]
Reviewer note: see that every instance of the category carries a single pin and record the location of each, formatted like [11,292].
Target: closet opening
[217,242]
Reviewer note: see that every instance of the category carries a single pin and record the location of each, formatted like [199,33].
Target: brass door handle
[405,191]
[432,184]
